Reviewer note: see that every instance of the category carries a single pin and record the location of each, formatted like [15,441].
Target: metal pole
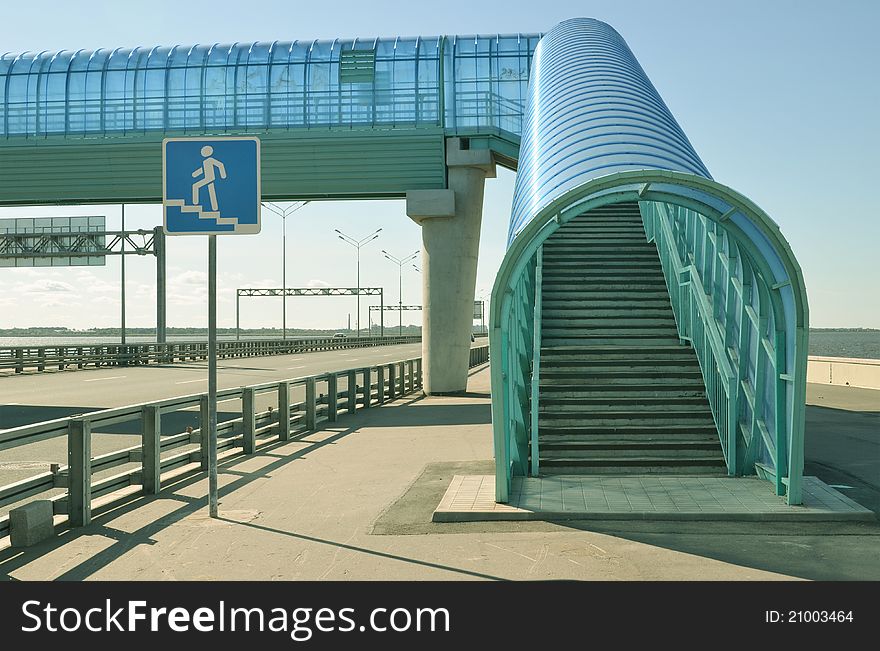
[122,250]
[237,315]
[358,319]
[400,300]
[381,313]
[284,277]
[161,300]
[212,375]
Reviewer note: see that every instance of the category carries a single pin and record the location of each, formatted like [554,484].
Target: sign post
[211,186]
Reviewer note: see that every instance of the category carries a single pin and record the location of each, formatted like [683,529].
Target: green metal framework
[728,295]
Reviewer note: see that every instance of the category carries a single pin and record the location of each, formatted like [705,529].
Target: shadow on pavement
[18,415]
[123,541]
[414,414]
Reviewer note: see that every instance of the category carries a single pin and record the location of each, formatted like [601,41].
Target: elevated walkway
[642,307]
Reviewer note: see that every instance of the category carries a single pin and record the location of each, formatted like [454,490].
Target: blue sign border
[243,229]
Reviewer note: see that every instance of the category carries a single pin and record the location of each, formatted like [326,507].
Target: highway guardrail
[73,356]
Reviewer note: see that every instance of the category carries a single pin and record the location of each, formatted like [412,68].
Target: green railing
[517,353]
[722,307]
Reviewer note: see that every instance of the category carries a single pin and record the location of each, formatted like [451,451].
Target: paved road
[43,396]
[842,440]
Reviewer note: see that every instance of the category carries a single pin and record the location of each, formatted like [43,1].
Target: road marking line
[102,379]
[294,368]
[204,379]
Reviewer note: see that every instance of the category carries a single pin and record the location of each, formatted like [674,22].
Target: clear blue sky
[780,99]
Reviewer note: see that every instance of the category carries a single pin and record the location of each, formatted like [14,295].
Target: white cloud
[45,286]
[191,277]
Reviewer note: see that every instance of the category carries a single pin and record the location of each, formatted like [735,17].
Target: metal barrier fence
[39,358]
[325,397]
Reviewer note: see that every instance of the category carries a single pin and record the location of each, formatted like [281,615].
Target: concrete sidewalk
[355,501]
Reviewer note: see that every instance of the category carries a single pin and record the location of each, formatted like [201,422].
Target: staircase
[618,393]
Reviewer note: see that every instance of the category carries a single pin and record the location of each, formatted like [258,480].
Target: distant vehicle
[340,335]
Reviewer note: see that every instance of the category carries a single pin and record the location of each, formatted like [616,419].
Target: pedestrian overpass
[646,318]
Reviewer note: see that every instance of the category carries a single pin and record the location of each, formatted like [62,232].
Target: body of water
[863,344]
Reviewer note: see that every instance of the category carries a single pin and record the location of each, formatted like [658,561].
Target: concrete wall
[844,371]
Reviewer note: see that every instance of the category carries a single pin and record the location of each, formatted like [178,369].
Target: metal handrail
[697,324]
[67,356]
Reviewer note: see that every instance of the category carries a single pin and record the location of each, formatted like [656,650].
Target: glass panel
[282,85]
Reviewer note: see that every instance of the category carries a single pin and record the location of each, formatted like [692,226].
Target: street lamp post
[283,213]
[482,297]
[357,244]
[400,262]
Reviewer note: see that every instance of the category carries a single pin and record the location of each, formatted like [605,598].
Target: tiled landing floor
[574,497]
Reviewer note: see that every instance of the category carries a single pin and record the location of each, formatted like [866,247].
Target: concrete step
[595,407]
[574,292]
[551,247]
[623,311]
[551,357]
[613,398]
[629,353]
[591,431]
[633,238]
[561,261]
[614,401]
[566,289]
[620,373]
[630,312]
[633,392]
[591,280]
[605,340]
[576,262]
[613,437]
[647,324]
[584,247]
[611,419]
[647,297]
[652,302]
[634,466]
[569,292]
[674,364]
[630,449]
[589,228]
[613,332]
[597,381]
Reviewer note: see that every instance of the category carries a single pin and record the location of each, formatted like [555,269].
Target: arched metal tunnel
[632,282]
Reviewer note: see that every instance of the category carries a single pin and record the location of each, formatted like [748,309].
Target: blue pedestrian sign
[211,186]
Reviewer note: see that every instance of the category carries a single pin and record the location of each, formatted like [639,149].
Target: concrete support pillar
[450,221]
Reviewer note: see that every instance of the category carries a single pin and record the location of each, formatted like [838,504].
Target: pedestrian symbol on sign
[211,185]
[206,171]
